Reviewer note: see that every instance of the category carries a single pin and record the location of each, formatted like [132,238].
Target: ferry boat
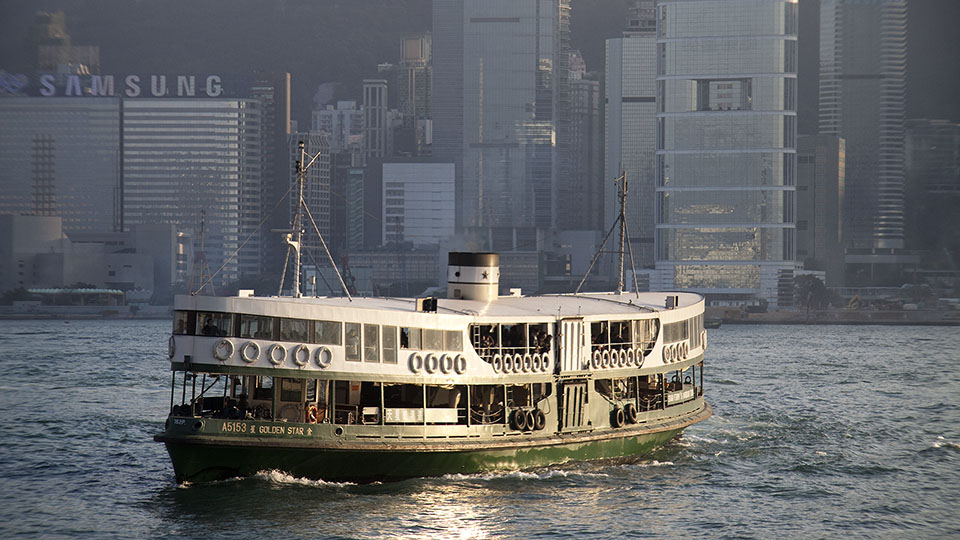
[369,389]
[373,389]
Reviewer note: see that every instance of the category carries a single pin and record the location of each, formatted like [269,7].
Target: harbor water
[817,432]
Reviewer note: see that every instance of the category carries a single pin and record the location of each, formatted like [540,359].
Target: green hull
[205,458]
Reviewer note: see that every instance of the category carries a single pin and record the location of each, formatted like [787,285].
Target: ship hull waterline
[203,460]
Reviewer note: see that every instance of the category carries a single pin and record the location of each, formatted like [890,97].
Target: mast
[622,193]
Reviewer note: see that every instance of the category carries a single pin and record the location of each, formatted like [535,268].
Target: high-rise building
[273,92]
[375,124]
[862,85]
[61,156]
[631,128]
[193,161]
[414,88]
[933,174]
[499,95]
[726,148]
[343,125]
[51,51]
[417,203]
[821,164]
[579,199]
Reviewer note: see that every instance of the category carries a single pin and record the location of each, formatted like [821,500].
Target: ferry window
[328,332]
[538,338]
[181,322]
[485,337]
[353,342]
[620,332]
[263,388]
[371,343]
[390,344]
[432,339]
[409,338]
[214,324]
[598,333]
[256,327]
[294,330]
[513,336]
[290,389]
[452,340]
[674,332]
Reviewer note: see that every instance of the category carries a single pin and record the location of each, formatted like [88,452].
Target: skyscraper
[726,148]
[183,158]
[499,77]
[631,127]
[862,85]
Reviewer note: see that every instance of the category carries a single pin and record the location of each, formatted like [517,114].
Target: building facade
[196,163]
[726,148]
[418,202]
[499,77]
[631,129]
[862,99]
[821,167]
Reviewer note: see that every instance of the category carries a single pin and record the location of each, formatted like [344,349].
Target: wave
[523,475]
[274,476]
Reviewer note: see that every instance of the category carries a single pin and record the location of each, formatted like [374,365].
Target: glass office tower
[182,157]
[500,73]
[61,156]
[726,148]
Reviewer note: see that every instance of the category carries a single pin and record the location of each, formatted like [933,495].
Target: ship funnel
[473,276]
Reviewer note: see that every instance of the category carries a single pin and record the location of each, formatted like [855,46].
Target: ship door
[571,345]
[574,405]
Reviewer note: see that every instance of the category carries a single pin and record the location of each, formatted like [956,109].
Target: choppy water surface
[818,432]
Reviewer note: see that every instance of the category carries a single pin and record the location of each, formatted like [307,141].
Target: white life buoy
[597,359]
[527,363]
[416,363]
[275,358]
[605,363]
[631,357]
[546,362]
[686,350]
[640,357]
[666,354]
[223,350]
[431,363]
[508,363]
[171,347]
[497,363]
[537,363]
[323,356]
[446,364]
[301,355]
[250,352]
[622,358]
[460,364]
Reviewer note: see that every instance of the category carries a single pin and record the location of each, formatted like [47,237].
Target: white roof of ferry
[553,305]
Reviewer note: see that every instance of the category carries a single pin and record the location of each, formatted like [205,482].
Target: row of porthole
[676,352]
[521,363]
[445,364]
[224,350]
[617,358]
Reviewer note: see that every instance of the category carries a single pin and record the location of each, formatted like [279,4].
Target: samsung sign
[130,86]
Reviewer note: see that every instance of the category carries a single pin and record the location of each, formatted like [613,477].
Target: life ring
[223,350]
[527,363]
[539,420]
[597,359]
[460,364]
[507,363]
[546,362]
[171,347]
[273,354]
[519,420]
[703,340]
[640,357]
[250,352]
[431,363]
[497,363]
[301,355]
[630,413]
[686,350]
[631,357]
[622,358]
[617,417]
[446,364]
[518,363]
[416,363]
[313,413]
[323,357]
[537,365]
[531,420]
[605,362]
